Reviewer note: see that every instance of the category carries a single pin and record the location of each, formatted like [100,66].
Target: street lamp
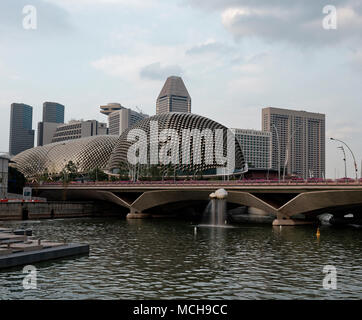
[344,159]
[354,159]
[287,152]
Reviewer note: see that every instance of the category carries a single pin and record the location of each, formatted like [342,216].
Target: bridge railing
[244,182]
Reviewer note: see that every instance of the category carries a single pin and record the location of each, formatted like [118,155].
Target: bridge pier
[135,214]
[291,222]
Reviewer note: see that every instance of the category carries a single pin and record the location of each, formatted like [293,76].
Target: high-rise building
[173,97]
[298,141]
[110,107]
[21,132]
[256,146]
[53,116]
[46,132]
[53,112]
[79,129]
[122,119]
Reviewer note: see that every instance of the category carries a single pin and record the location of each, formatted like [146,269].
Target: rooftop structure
[173,97]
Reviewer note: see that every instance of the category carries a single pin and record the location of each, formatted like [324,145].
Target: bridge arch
[321,201]
[151,199]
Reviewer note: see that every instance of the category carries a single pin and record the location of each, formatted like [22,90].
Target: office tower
[46,132]
[122,119]
[21,132]
[53,112]
[173,97]
[298,141]
[256,146]
[110,107]
[53,116]
[79,129]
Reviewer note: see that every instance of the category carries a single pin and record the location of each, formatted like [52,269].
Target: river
[170,259]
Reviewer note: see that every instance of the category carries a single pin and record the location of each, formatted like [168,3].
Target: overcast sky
[235,57]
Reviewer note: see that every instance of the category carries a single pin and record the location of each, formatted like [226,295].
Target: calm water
[165,259]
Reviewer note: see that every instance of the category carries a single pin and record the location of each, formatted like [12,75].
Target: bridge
[285,200]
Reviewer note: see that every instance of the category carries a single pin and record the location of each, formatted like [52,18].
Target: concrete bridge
[284,200]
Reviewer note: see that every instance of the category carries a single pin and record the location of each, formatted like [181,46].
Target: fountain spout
[218,207]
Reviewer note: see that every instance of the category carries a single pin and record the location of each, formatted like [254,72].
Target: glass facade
[53,112]
[21,133]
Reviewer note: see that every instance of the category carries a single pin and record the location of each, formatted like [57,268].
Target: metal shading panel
[178,121]
[86,153]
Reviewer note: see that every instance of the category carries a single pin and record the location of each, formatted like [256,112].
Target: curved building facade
[190,142]
[87,153]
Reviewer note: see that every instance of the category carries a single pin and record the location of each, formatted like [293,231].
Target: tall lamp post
[287,152]
[276,131]
[344,159]
[354,159]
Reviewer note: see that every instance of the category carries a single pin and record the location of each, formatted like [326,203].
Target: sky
[235,57]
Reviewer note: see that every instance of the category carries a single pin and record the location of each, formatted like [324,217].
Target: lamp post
[344,159]
[354,159]
[276,131]
[287,152]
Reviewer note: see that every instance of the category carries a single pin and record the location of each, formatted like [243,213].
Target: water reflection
[165,259]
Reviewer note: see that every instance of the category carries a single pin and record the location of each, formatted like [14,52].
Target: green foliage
[124,170]
[97,175]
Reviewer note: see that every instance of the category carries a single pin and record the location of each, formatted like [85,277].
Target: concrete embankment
[49,210]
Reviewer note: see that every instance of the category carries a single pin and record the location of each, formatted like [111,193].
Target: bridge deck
[170,185]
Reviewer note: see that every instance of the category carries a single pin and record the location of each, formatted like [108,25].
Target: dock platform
[37,253]
[17,248]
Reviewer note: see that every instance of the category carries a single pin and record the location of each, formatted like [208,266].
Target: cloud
[210,47]
[290,21]
[155,71]
[356,60]
[345,132]
[118,65]
[132,67]
[140,63]
[50,18]
[79,5]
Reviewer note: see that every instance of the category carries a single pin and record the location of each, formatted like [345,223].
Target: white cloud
[79,5]
[291,21]
[356,60]
[156,71]
[130,65]
[344,132]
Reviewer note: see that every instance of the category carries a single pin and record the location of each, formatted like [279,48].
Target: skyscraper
[53,112]
[256,146]
[173,97]
[122,119]
[298,141]
[21,132]
[53,116]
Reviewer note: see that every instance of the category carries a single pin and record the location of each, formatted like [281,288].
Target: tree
[72,170]
[97,175]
